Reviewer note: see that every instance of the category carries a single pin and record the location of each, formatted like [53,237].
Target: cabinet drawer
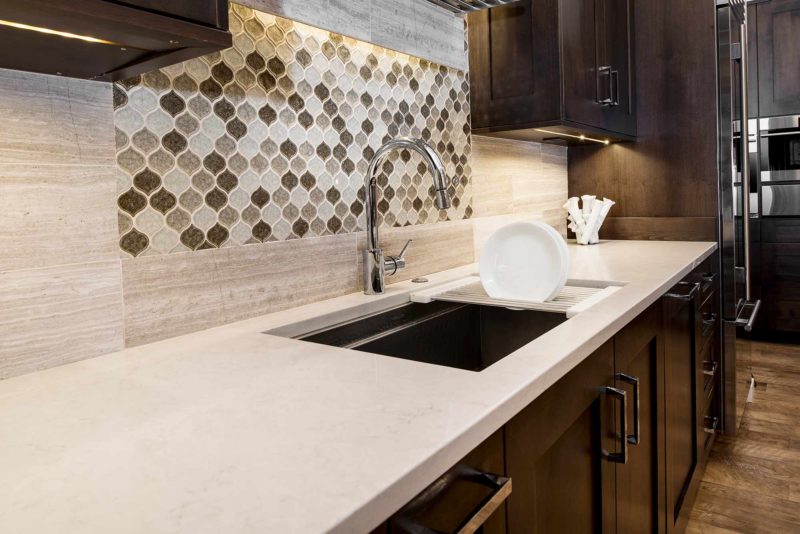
[705,274]
[707,322]
[471,494]
[780,263]
[774,230]
[709,364]
[710,427]
[710,421]
[781,307]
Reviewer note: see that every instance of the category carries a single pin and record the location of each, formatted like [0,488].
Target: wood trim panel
[671,170]
[660,228]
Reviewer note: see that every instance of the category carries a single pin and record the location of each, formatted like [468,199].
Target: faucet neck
[371,187]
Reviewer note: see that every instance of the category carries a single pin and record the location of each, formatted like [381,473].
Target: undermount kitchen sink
[464,336]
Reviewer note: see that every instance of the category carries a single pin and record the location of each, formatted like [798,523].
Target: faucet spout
[374,269]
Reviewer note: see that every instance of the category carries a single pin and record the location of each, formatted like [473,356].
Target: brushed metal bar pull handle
[634,381]
[614,87]
[714,424]
[620,457]
[713,370]
[749,326]
[501,489]
[747,321]
[695,287]
[604,70]
[744,62]
[777,134]
[709,277]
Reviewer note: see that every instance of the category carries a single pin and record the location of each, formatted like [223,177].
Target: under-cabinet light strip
[581,136]
[48,31]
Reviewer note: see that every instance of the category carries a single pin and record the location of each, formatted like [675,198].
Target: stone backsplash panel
[270,140]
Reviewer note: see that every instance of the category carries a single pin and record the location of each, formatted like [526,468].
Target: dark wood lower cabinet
[681,399]
[692,371]
[579,463]
[473,491]
[557,449]
[563,481]
[639,358]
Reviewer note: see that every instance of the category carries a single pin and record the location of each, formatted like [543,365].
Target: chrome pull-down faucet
[375,265]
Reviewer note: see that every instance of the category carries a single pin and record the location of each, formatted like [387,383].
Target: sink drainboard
[575,297]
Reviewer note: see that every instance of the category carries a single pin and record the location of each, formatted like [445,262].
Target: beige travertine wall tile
[173,294]
[435,247]
[57,214]
[349,18]
[170,295]
[60,274]
[410,26]
[546,187]
[518,177]
[498,165]
[55,120]
[261,279]
[57,315]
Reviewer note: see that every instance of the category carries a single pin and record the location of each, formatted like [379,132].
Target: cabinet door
[779,57]
[638,355]
[514,72]
[615,17]
[210,12]
[583,44]
[563,480]
[680,403]
[780,276]
[752,51]
[596,42]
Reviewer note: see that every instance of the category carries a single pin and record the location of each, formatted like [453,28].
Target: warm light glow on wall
[581,136]
[48,31]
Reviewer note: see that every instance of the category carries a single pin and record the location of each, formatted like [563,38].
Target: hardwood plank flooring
[752,481]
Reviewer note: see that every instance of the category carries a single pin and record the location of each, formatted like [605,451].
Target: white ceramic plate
[525,261]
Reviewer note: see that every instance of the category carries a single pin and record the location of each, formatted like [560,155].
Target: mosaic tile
[270,140]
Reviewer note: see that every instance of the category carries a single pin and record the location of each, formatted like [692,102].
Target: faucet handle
[403,251]
[394,264]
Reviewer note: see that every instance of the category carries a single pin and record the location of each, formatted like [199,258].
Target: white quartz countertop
[231,430]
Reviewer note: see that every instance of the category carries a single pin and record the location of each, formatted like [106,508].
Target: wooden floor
[752,482]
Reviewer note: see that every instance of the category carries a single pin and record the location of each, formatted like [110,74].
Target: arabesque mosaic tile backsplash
[270,140]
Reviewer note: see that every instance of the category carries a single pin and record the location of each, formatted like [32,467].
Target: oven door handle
[779,134]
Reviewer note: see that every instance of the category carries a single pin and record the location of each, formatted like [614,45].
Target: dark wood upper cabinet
[558,65]
[126,38]
[779,57]
[752,50]
[213,13]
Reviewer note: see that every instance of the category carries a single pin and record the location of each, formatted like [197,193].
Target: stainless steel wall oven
[779,147]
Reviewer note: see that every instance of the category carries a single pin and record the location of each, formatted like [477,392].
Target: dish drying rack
[576,296]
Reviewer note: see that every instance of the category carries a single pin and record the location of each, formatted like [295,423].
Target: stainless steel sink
[464,336]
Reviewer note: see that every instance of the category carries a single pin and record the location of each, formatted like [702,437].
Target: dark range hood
[105,40]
